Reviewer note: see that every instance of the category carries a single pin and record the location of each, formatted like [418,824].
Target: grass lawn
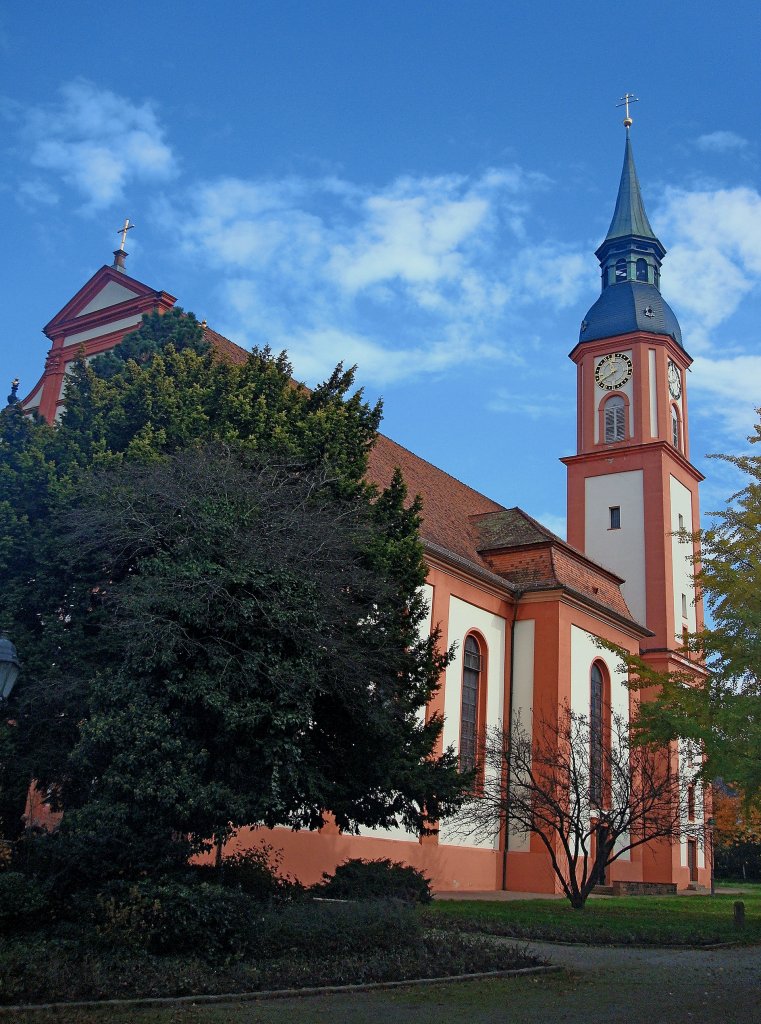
[635,920]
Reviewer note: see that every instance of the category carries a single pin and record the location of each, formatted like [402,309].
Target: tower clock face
[675,380]
[613,371]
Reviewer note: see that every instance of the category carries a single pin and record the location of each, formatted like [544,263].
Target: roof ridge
[443,472]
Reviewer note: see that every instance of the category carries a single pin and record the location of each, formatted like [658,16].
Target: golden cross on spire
[123,232]
[625,100]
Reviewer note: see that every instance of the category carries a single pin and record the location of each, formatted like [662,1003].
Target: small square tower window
[615,517]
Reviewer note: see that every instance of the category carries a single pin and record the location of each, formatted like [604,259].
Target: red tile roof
[227,349]
[448,504]
[505,545]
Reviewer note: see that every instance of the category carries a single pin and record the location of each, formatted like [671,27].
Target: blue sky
[416,187]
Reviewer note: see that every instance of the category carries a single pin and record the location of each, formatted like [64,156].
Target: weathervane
[625,100]
[123,232]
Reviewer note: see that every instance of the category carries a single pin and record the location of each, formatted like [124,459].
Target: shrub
[23,902]
[257,873]
[376,880]
[327,930]
[169,917]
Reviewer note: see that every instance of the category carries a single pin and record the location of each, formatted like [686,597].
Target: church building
[524,608]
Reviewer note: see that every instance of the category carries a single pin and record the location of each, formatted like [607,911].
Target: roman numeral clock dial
[674,380]
[613,371]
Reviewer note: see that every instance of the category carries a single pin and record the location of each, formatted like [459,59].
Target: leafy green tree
[722,709]
[224,613]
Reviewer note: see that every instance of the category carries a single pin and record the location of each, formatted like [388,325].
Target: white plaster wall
[601,396]
[97,332]
[653,391]
[463,617]
[681,553]
[585,651]
[523,702]
[622,550]
[689,758]
[34,399]
[108,296]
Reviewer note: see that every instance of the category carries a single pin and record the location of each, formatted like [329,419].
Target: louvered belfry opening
[615,419]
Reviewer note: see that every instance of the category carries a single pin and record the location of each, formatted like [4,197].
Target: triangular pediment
[109,294]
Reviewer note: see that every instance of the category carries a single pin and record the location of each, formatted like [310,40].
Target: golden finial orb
[625,100]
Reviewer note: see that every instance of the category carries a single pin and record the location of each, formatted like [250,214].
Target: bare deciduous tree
[588,802]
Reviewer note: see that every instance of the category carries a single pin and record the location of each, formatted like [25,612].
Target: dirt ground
[615,985]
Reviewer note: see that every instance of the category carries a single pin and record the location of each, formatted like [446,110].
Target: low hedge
[34,970]
[215,923]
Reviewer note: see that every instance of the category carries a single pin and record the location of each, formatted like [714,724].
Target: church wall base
[306,855]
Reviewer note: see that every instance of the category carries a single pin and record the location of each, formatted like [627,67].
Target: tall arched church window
[471,681]
[615,419]
[675,427]
[596,734]
[641,270]
[621,271]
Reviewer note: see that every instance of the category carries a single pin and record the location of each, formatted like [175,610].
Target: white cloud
[96,142]
[416,277]
[730,392]
[557,274]
[535,403]
[715,254]
[721,142]
[37,193]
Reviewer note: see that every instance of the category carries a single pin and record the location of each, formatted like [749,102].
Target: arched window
[641,270]
[596,734]
[675,431]
[621,271]
[471,680]
[615,419]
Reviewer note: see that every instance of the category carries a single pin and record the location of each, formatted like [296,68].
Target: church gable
[111,294]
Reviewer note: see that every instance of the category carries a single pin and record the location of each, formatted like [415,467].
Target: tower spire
[630,264]
[629,217]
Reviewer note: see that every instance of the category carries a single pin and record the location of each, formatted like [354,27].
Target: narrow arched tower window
[675,431]
[596,737]
[615,419]
[621,271]
[471,680]
[641,270]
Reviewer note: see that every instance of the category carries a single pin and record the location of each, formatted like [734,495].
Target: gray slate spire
[630,266]
[629,217]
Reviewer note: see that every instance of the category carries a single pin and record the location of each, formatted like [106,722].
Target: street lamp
[9,666]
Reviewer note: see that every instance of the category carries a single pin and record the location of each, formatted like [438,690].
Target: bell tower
[631,485]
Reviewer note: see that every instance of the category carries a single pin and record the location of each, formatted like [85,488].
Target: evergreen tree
[223,613]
